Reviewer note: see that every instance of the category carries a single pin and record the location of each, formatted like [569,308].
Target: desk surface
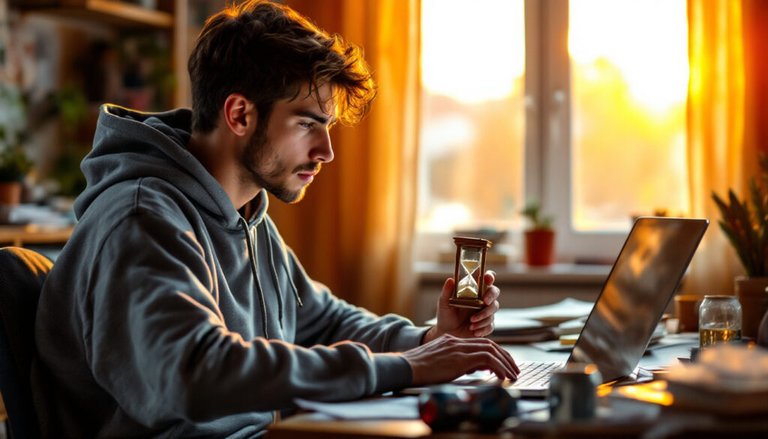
[19,235]
[313,425]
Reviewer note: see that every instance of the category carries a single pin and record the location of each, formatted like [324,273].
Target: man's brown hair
[266,52]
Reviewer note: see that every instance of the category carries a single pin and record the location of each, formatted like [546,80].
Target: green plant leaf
[745,222]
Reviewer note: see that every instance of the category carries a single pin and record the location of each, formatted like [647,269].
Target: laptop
[633,298]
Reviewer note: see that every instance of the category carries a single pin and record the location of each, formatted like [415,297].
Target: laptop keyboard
[535,374]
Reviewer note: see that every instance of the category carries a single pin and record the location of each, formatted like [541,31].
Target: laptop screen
[638,289]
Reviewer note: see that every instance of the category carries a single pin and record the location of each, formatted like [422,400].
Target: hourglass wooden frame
[482,246]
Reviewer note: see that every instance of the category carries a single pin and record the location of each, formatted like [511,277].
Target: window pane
[629,79]
[472,127]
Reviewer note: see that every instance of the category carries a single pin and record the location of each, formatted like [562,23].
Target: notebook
[633,298]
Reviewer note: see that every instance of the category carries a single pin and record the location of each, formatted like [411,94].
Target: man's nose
[323,150]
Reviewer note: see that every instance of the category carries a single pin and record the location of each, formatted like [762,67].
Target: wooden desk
[313,425]
[22,235]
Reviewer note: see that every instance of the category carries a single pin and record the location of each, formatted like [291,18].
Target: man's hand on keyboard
[463,322]
[448,357]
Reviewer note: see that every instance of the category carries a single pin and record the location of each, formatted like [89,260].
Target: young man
[176,309]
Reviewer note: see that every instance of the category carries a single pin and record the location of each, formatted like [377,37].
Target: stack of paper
[539,323]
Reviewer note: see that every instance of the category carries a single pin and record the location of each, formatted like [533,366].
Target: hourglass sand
[468,272]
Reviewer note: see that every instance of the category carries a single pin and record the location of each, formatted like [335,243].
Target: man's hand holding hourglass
[457,344]
[465,322]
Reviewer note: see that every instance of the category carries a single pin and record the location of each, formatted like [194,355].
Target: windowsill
[521,286]
[560,273]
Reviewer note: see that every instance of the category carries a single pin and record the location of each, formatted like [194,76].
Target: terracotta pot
[762,333]
[10,193]
[754,302]
[687,312]
[539,247]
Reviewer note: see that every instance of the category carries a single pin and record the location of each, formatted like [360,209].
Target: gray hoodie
[169,314]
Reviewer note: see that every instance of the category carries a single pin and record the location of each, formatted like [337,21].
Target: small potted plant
[14,163]
[745,224]
[14,166]
[539,236]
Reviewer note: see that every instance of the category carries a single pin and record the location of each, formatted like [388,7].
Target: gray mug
[573,393]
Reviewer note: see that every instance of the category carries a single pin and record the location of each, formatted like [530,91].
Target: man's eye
[306,125]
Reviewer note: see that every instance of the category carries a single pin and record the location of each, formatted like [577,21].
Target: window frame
[548,132]
[547,142]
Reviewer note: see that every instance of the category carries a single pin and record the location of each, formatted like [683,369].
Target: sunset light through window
[595,129]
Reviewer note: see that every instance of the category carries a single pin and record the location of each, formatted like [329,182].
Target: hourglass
[468,272]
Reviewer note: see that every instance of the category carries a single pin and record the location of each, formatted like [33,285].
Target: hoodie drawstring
[285,269]
[274,276]
[252,257]
[252,243]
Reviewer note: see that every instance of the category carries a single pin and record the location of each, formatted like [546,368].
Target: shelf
[104,11]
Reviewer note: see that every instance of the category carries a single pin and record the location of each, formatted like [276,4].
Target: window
[578,104]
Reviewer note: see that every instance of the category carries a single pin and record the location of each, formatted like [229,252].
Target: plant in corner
[14,166]
[539,236]
[14,163]
[745,224]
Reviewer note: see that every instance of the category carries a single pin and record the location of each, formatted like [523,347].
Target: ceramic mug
[573,393]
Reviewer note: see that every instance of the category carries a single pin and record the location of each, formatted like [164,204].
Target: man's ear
[239,114]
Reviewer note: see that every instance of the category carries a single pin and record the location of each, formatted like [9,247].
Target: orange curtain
[353,231]
[755,34]
[722,133]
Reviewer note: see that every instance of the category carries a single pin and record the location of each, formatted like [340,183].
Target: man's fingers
[483,331]
[485,313]
[497,354]
[509,360]
[489,277]
[449,357]
[491,293]
[493,362]
[447,291]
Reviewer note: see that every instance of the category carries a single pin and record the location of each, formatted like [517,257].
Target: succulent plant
[745,222]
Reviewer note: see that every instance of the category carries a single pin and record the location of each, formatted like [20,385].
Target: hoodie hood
[129,145]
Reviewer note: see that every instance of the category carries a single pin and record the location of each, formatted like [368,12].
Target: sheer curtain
[353,231]
[725,102]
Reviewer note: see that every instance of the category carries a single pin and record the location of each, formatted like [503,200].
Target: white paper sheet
[405,407]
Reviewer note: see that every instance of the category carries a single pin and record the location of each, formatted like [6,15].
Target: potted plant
[745,224]
[14,163]
[539,236]
[14,166]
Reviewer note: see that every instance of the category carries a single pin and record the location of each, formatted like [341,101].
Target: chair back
[22,273]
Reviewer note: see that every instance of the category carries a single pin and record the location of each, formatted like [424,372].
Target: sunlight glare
[445,217]
[656,78]
[455,65]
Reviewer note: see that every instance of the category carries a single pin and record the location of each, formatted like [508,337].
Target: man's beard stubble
[255,154]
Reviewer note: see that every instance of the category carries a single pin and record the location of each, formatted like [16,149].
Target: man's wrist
[430,335]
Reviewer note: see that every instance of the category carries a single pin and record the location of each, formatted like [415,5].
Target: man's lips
[308,176]
[307,172]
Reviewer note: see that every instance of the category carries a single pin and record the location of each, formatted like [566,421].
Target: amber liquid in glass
[712,336]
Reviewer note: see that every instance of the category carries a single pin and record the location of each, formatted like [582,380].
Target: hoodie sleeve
[157,341]
[323,318]
[326,319]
